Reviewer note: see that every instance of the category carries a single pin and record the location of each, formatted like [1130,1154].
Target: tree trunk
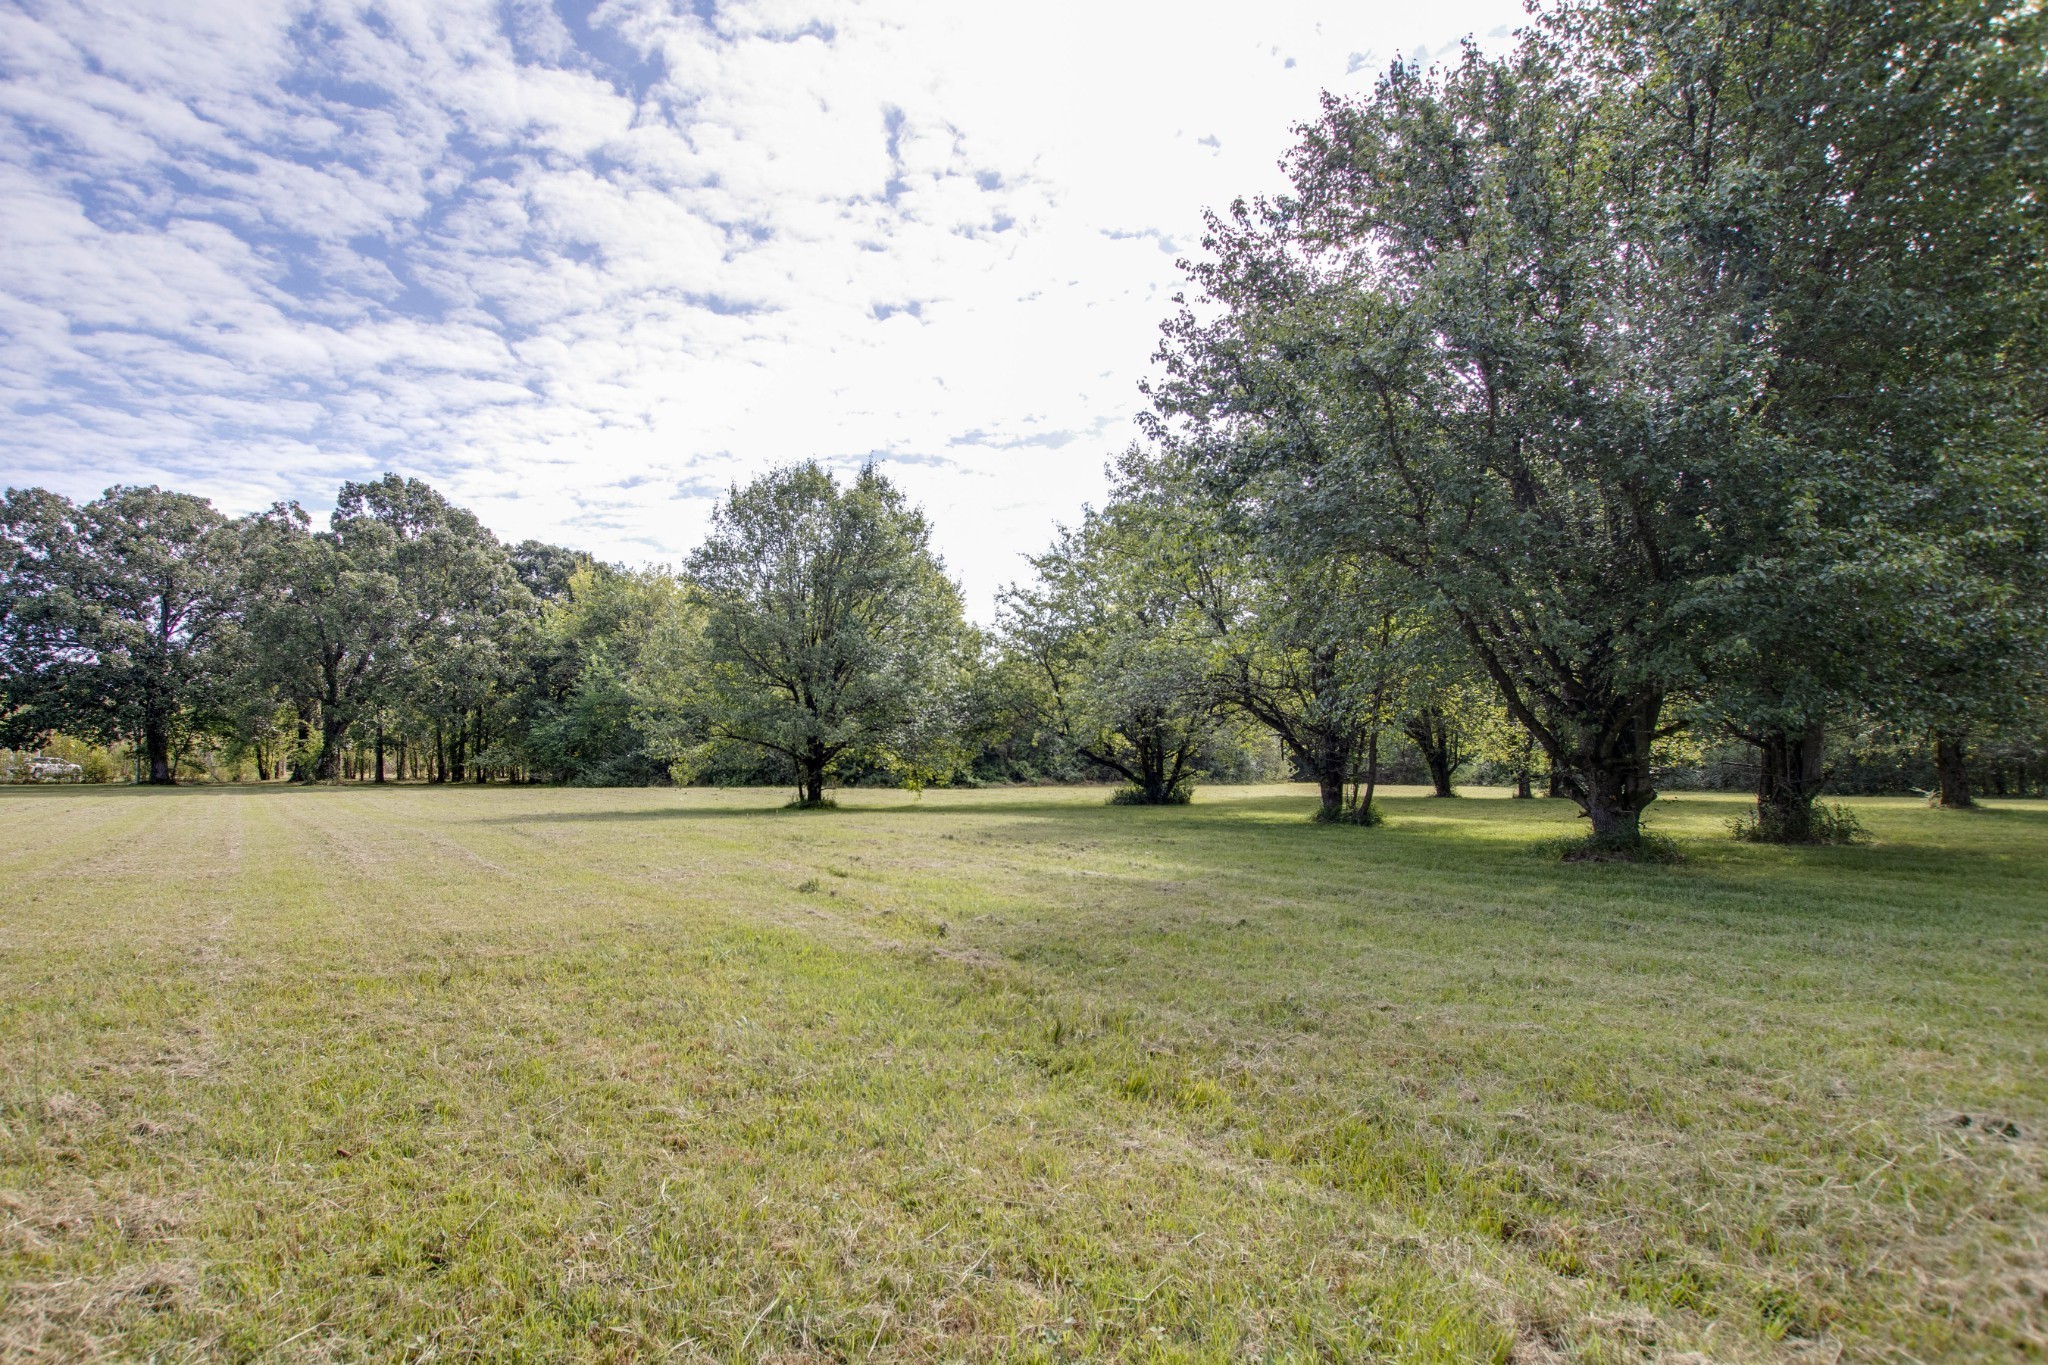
[1330,785]
[1431,732]
[1372,777]
[1616,817]
[332,728]
[1951,772]
[1556,787]
[156,740]
[1608,774]
[1787,780]
[302,768]
[1522,789]
[813,780]
[380,752]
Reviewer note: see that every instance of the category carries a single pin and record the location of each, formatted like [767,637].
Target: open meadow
[543,1073]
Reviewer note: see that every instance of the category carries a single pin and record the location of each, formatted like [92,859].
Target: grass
[674,1075]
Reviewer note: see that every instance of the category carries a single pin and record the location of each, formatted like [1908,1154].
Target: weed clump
[1824,824]
[822,803]
[1368,816]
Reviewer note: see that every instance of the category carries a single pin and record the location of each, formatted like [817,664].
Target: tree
[466,619]
[1324,652]
[830,626]
[1113,657]
[113,611]
[324,611]
[1458,347]
[610,642]
[1858,189]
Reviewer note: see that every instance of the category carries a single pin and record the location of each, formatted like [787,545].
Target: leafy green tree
[1115,658]
[545,570]
[1324,653]
[1455,347]
[830,627]
[324,611]
[1858,189]
[113,614]
[612,710]
[465,619]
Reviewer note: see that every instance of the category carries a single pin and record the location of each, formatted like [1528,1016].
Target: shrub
[1134,795]
[1826,824]
[1597,848]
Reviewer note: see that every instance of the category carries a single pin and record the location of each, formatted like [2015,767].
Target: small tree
[1323,651]
[829,623]
[1114,657]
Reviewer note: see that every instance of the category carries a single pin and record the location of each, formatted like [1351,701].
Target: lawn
[675,1075]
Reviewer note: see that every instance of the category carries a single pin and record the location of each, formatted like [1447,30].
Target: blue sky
[582,265]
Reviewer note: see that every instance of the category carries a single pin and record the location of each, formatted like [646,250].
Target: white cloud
[582,267]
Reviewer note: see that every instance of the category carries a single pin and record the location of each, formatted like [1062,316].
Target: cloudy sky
[581,265]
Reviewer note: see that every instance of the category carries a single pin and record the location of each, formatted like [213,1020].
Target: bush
[1606,848]
[1133,795]
[1827,824]
[1368,816]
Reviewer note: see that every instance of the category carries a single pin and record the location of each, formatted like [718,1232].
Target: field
[675,1075]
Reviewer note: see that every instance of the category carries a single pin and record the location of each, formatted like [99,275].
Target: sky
[582,266]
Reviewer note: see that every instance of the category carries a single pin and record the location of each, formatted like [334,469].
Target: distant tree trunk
[1556,785]
[156,742]
[1951,772]
[1363,811]
[333,727]
[1528,756]
[811,769]
[262,762]
[1788,778]
[302,767]
[458,758]
[1522,789]
[380,750]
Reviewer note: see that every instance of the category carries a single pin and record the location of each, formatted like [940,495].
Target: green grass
[644,1075]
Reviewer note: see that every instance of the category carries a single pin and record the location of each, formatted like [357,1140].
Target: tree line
[1668,383]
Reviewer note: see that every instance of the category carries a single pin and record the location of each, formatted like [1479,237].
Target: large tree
[113,613]
[1652,350]
[1455,347]
[830,628]
[1859,188]
[325,610]
[466,619]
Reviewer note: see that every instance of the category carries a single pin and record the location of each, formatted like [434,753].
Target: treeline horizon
[1668,385]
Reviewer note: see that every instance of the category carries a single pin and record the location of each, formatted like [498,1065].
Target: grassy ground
[644,1075]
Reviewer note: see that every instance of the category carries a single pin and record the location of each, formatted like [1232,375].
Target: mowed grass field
[475,1074]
